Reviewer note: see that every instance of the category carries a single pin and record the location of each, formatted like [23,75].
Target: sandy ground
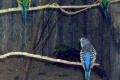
[12,69]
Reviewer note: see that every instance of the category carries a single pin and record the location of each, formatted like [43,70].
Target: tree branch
[40,57]
[53,6]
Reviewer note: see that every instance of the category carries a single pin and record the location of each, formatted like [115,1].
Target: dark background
[16,36]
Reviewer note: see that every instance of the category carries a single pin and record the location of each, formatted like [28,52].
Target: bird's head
[84,41]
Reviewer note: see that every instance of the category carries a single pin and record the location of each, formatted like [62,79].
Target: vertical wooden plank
[6,27]
[110,57]
[114,45]
[11,38]
[94,28]
[77,22]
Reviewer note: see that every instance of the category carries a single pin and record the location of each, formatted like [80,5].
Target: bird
[62,47]
[64,52]
[105,4]
[24,4]
[87,56]
[67,53]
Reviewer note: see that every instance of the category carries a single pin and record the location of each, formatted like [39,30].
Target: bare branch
[53,6]
[40,57]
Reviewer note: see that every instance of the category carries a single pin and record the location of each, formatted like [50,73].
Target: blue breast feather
[87,60]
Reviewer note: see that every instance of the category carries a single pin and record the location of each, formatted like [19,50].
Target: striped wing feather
[92,52]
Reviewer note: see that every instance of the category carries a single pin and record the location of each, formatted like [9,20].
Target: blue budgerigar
[24,4]
[87,56]
[104,4]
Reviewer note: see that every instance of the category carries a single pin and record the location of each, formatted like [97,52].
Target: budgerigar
[104,4]
[25,4]
[87,56]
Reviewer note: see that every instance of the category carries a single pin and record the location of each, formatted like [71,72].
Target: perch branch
[71,13]
[40,57]
[53,6]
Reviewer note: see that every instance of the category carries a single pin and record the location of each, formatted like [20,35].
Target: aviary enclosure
[53,23]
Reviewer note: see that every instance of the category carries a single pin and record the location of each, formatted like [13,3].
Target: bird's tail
[87,75]
[107,16]
[24,14]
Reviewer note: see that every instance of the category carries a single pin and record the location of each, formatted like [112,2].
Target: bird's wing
[82,58]
[92,57]
[92,52]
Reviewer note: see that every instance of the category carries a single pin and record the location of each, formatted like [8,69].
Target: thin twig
[28,62]
[32,46]
[44,27]
[40,57]
[48,34]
